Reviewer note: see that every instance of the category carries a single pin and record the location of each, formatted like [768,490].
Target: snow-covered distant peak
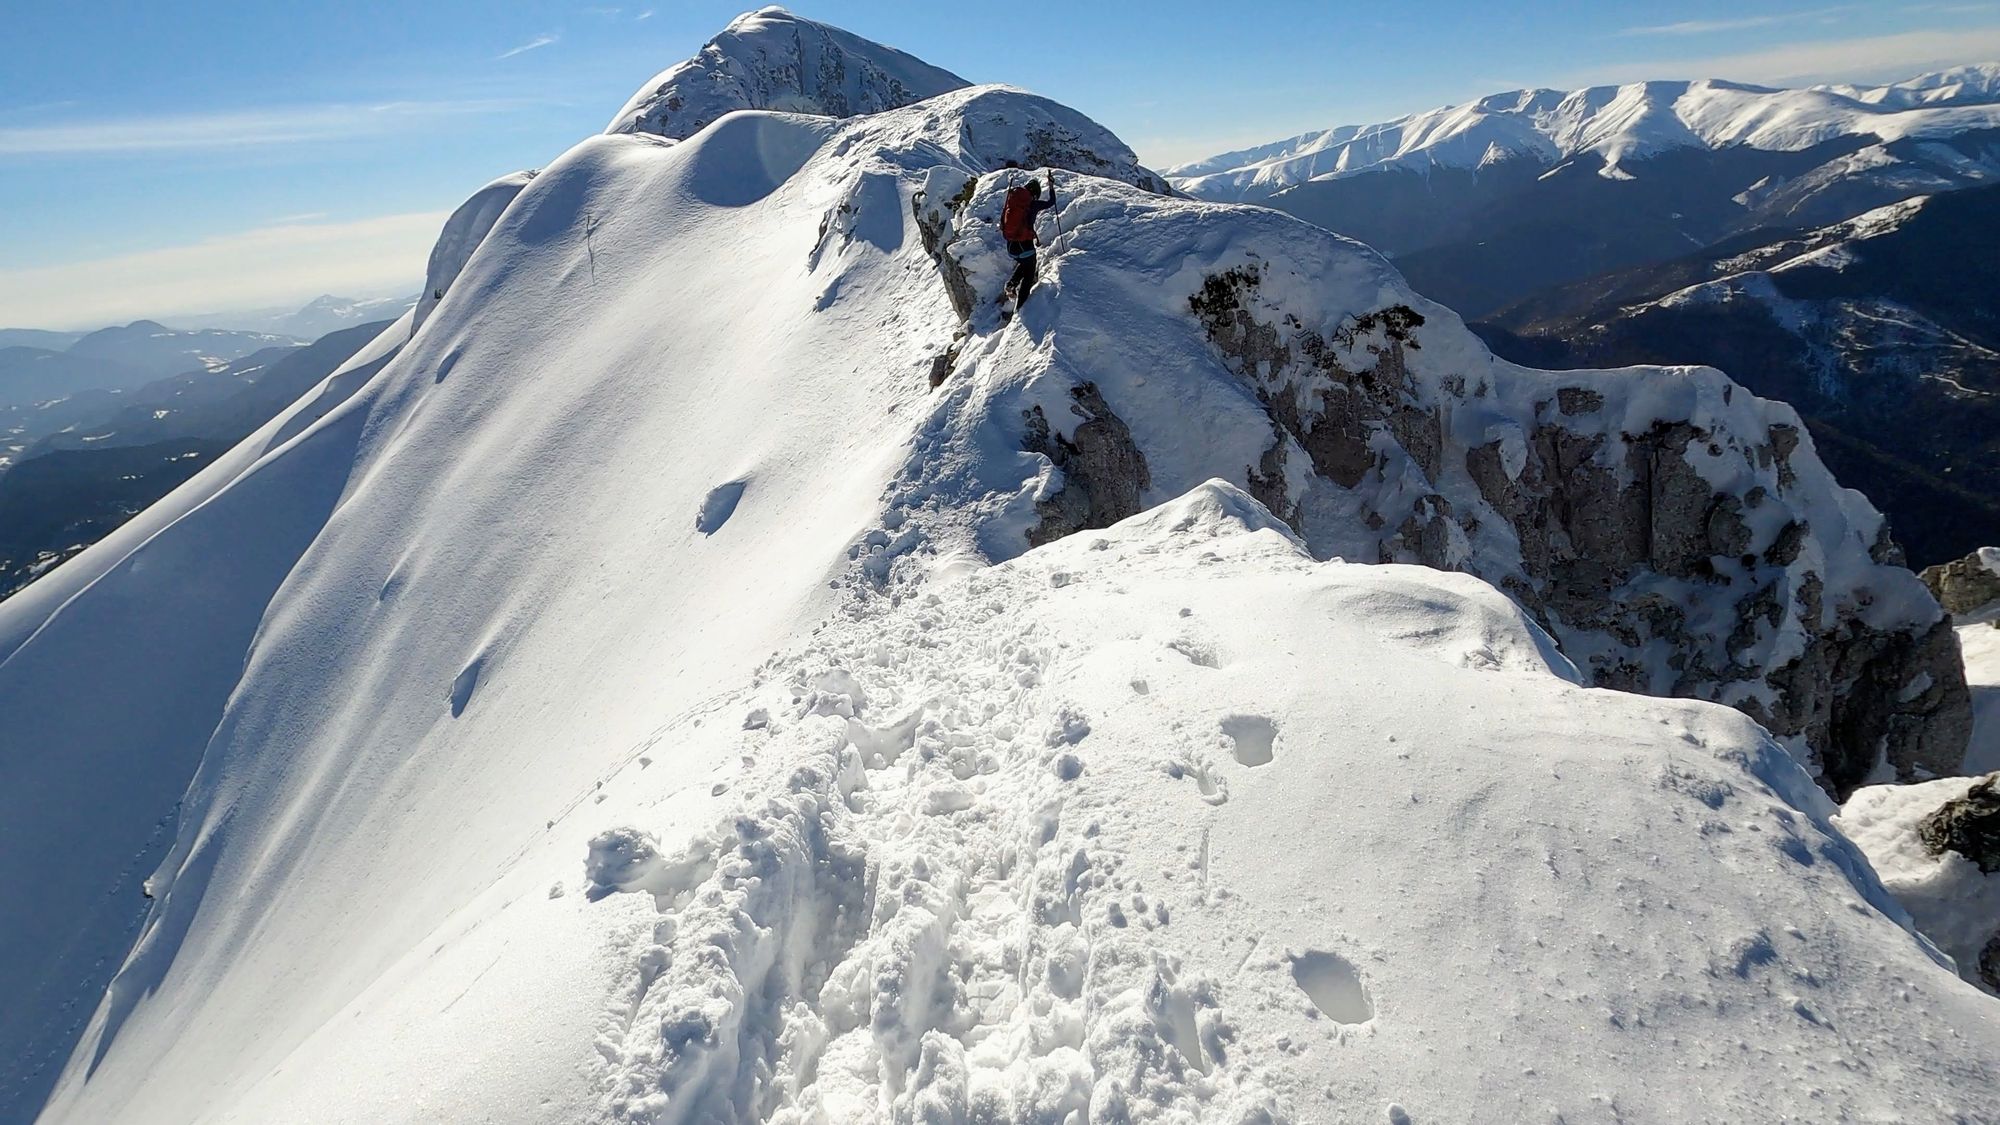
[772,59]
[1616,123]
[1963,85]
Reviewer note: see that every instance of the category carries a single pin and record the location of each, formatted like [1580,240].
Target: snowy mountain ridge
[627,691]
[1617,123]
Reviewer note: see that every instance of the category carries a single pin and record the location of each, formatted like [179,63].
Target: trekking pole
[1057,210]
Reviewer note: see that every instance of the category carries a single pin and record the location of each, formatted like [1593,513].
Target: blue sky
[197,156]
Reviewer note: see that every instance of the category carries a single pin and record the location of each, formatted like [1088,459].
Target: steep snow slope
[114,668]
[772,59]
[511,603]
[1617,123]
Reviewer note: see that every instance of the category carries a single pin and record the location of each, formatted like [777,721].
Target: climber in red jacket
[1017,226]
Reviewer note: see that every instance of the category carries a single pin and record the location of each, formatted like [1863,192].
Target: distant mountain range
[318,317]
[120,358]
[1484,203]
[79,467]
[1569,221]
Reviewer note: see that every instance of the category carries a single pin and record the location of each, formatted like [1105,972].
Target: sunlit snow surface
[488,765]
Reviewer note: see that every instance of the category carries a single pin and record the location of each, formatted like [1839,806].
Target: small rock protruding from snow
[1968,825]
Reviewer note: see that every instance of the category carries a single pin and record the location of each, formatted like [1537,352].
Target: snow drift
[630,695]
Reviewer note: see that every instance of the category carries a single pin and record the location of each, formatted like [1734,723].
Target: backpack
[1017,217]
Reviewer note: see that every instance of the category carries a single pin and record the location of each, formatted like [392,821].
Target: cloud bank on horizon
[287,262]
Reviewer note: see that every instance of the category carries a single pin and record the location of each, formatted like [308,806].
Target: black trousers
[1024,269]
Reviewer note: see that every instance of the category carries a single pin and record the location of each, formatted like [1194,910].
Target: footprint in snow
[1252,737]
[1334,987]
[465,684]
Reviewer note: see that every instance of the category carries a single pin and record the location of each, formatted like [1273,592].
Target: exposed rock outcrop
[1968,825]
[1669,554]
[1104,472]
[1964,586]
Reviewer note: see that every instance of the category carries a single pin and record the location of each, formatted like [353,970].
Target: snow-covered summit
[772,59]
[633,693]
[1617,123]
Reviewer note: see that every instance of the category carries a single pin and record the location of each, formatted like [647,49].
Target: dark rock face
[1104,473]
[1963,586]
[1614,539]
[1968,825]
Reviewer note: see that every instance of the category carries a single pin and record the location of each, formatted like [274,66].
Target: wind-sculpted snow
[462,234]
[493,802]
[771,59]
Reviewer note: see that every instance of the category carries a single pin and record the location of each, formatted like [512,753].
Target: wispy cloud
[535,44]
[645,15]
[1745,23]
[1871,58]
[230,128]
[1737,25]
[35,108]
[274,264]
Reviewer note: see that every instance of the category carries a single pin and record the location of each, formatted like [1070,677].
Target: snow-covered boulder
[772,59]
[1936,846]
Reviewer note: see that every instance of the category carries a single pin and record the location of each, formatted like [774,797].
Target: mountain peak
[772,59]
